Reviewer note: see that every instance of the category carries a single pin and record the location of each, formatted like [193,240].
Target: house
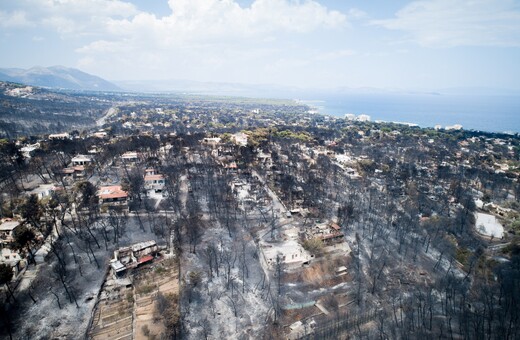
[7,229]
[214,141]
[11,258]
[130,157]
[44,190]
[239,138]
[232,167]
[133,256]
[100,134]
[112,195]
[289,252]
[81,160]
[59,136]
[28,149]
[154,181]
[328,233]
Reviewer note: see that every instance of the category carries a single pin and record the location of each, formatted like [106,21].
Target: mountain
[57,77]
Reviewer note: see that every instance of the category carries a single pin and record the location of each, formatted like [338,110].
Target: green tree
[6,275]
[86,194]
[31,210]
[24,239]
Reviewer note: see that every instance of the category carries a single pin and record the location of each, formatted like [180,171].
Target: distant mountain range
[57,77]
[73,79]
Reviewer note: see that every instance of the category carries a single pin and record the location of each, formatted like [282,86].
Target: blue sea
[492,113]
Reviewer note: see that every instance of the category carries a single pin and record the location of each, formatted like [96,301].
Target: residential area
[206,218]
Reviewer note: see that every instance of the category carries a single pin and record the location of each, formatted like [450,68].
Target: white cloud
[199,39]
[15,19]
[448,23]
[67,17]
[204,20]
[209,37]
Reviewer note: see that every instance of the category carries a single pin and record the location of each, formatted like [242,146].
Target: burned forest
[193,217]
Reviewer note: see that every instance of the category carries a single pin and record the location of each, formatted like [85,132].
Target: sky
[410,45]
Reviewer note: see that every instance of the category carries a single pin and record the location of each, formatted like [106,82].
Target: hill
[57,77]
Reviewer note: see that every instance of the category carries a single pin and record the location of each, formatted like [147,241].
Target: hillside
[57,77]
[28,110]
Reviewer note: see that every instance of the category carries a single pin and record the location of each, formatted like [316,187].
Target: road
[101,121]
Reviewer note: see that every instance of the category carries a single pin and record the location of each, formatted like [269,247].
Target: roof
[341,269]
[143,245]
[129,154]
[117,266]
[335,226]
[59,135]
[146,258]
[113,191]
[329,236]
[153,177]
[9,226]
[82,158]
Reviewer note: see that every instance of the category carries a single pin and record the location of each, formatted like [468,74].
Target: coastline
[499,114]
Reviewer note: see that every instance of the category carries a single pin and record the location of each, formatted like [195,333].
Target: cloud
[448,23]
[215,35]
[67,17]
[205,20]
[14,19]
[199,39]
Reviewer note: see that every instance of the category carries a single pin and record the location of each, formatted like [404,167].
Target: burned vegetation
[205,218]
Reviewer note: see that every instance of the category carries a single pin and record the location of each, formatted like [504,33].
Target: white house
[81,160]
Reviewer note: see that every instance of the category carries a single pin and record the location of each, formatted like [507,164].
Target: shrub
[313,245]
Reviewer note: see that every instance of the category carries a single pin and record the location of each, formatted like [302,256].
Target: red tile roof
[145,259]
[113,191]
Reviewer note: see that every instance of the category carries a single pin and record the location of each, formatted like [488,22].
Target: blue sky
[411,45]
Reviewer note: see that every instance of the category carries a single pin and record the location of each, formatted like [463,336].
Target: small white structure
[239,138]
[44,190]
[59,136]
[212,141]
[81,160]
[130,156]
[6,231]
[100,134]
[489,226]
[454,127]
[363,118]
[26,150]
[290,253]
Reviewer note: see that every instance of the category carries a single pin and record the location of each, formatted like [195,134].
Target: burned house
[126,258]
[328,233]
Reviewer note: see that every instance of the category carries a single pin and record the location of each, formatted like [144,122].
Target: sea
[491,113]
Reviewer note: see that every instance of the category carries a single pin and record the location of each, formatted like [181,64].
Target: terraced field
[126,309]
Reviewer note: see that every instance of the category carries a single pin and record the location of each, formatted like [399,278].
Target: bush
[146,330]
[313,245]
[195,278]
[160,270]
